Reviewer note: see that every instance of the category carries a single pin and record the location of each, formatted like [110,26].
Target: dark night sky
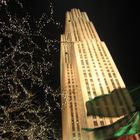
[116,23]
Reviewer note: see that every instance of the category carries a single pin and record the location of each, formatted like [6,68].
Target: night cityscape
[30,92]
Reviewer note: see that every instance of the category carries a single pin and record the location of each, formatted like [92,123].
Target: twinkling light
[27,102]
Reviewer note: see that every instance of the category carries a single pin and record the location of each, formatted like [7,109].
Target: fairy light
[24,65]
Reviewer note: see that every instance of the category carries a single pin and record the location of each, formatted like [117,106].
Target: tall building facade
[87,71]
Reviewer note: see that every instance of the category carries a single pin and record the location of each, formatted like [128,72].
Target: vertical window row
[85,28]
[110,68]
[90,31]
[77,33]
[75,119]
[81,27]
[86,70]
[70,81]
[95,67]
[74,31]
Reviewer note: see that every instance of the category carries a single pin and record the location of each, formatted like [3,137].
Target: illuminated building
[87,70]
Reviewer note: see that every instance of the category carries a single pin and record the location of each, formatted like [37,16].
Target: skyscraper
[87,70]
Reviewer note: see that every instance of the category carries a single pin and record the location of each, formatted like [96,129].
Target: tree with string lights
[27,102]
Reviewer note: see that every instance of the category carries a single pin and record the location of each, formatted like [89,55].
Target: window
[90,75]
[111,121]
[113,84]
[85,74]
[102,123]
[74,135]
[89,93]
[95,123]
[94,93]
[78,128]
[79,134]
[91,80]
[82,62]
[73,128]
[109,75]
[86,62]
[117,82]
[105,81]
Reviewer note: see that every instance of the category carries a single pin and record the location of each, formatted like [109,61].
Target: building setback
[87,71]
